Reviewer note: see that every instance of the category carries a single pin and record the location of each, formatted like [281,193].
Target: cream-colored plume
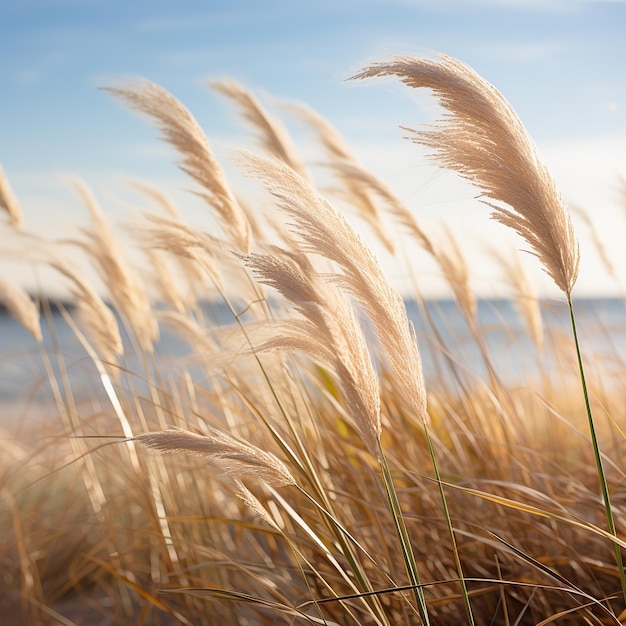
[273,136]
[232,456]
[329,332]
[181,130]
[359,185]
[97,318]
[127,293]
[324,231]
[9,202]
[21,307]
[482,139]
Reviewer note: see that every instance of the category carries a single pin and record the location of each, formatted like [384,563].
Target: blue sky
[561,64]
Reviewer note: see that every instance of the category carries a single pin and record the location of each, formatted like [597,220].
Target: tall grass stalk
[596,453]
[446,513]
[484,141]
[338,485]
[404,539]
[306,466]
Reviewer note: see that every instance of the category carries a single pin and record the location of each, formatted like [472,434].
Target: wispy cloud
[544,6]
[174,22]
[171,23]
[523,51]
[27,78]
[26,6]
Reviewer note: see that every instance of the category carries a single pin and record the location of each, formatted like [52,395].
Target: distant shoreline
[55,305]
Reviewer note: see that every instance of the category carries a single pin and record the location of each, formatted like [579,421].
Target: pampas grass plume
[21,307]
[328,331]
[125,289]
[181,130]
[98,319]
[273,136]
[9,202]
[232,456]
[483,140]
[325,232]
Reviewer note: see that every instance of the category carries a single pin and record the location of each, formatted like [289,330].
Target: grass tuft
[314,451]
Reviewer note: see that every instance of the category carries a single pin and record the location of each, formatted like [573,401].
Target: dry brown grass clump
[315,475]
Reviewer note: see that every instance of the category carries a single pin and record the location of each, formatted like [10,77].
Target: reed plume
[481,138]
[97,318]
[273,137]
[126,292]
[8,201]
[329,331]
[21,307]
[322,230]
[360,186]
[232,456]
[180,129]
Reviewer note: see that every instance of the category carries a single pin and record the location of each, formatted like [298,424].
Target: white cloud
[544,6]
[28,78]
[171,24]
[530,51]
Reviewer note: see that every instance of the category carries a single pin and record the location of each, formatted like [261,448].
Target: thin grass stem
[405,542]
[597,455]
[446,512]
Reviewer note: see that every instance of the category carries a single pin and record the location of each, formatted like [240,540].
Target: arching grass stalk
[403,537]
[446,512]
[482,139]
[407,552]
[329,316]
[305,464]
[597,455]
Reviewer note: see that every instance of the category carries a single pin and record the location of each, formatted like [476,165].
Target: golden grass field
[311,476]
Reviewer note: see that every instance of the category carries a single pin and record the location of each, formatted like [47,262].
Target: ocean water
[442,334]
[601,325]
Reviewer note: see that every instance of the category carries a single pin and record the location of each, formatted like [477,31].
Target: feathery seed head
[324,231]
[329,332]
[99,321]
[9,202]
[273,136]
[232,456]
[181,130]
[483,140]
[125,290]
[21,307]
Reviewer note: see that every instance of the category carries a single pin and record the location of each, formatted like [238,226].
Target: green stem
[444,503]
[405,544]
[598,457]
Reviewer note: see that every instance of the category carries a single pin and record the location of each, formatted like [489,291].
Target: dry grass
[301,481]
[483,140]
